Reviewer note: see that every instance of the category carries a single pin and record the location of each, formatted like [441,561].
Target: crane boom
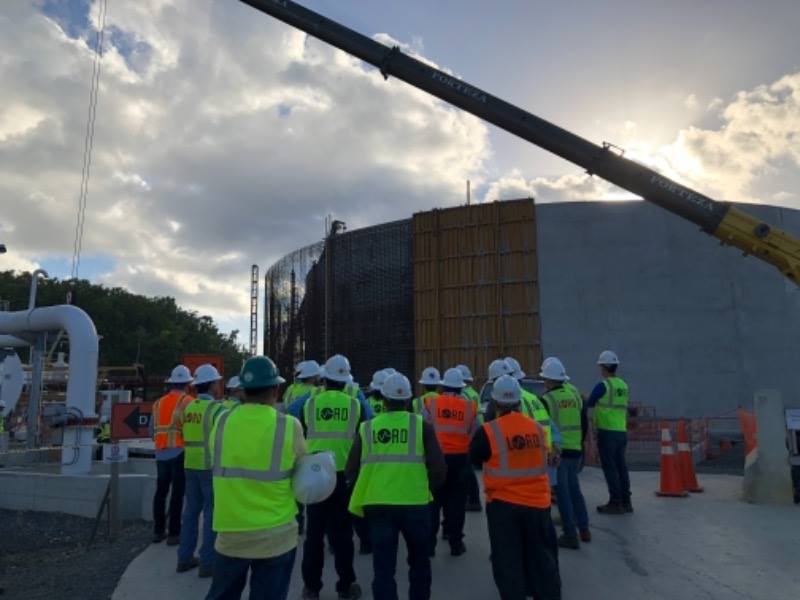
[721,219]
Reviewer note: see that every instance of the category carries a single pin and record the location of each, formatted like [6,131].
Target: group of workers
[405,465]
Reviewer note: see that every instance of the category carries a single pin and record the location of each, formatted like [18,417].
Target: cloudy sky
[224,137]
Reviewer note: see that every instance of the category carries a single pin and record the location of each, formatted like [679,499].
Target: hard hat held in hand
[607,357]
[453,379]
[259,372]
[498,368]
[465,373]
[206,374]
[506,390]
[337,368]
[377,380]
[308,369]
[396,387]
[554,370]
[430,376]
[516,368]
[180,374]
[314,477]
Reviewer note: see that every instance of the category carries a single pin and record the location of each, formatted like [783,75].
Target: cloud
[690,102]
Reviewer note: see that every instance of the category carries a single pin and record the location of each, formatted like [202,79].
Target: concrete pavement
[709,546]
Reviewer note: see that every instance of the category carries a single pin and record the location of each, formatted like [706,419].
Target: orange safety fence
[747,421]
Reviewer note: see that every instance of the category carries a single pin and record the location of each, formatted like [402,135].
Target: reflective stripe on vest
[409,457]
[273,473]
[505,470]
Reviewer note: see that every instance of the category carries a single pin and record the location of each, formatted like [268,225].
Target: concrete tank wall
[698,327]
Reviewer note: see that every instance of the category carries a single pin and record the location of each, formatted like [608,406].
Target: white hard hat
[453,379]
[553,370]
[465,372]
[337,368]
[389,371]
[516,368]
[314,477]
[497,368]
[557,361]
[607,357]
[180,374]
[377,380]
[299,367]
[233,383]
[430,376]
[396,387]
[206,374]
[308,369]
[506,390]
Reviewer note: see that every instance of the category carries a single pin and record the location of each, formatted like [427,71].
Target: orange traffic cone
[685,463]
[671,484]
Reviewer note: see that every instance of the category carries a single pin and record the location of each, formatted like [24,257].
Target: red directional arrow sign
[130,420]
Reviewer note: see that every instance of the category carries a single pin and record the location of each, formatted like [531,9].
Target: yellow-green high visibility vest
[104,437]
[565,409]
[392,463]
[198,417]
[418,404]
[351,389]
[470,394]
[297,389]
[611,411]
[253,453]
[533,408]
[376,404]
[230,403]
[331,420]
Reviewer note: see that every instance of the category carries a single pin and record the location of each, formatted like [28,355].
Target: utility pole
[254,310]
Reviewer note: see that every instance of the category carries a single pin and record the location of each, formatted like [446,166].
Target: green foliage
[155,332]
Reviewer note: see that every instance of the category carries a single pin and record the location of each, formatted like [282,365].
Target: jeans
[199,498]
[385,523]
[332,517]
[451,501]
[571,504]
[611,446]
[170,475]
[269,577]
[524,551]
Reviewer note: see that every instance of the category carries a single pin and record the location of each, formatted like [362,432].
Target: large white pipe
[10,341]
[82,382]
[34,284]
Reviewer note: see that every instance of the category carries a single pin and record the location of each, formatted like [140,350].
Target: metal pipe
[12,341]
[34,285]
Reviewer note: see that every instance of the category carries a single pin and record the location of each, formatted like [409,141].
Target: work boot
[187,566]
[365,548]
[309,595]
[627,506]
[159,537]
[612,508]
[173,540]
[586,535]
[205,571]
[457,548]
[474,507]
[569,541]
[351,593]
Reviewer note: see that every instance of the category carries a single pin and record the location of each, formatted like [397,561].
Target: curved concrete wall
[698,327]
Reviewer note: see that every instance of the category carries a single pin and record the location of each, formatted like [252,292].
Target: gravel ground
[44,556]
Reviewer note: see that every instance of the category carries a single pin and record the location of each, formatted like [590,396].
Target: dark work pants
[414,523]
[524,551]
[361,527]
[269,577]
[170,477]
[450,500]
[473,491]
[333,518]
[611,447]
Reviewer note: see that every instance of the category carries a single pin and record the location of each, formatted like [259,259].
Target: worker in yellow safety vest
[165,423]
[394,463]
[254,449]
[306,381]
[331,419]
[233,391]
[530,405]
[198,419]
[374,397]
[569,416]
[430,381]
[609,400]
[473,490]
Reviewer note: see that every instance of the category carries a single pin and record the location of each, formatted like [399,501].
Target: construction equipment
[720,219]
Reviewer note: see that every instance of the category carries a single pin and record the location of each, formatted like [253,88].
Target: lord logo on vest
[333,414]
[528,441]
[447,413]
[390,436]
[193,417]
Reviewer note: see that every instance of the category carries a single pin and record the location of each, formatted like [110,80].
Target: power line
[88,143]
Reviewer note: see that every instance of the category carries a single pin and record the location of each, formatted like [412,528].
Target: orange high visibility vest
[517,470]
[452,418]
[168,412]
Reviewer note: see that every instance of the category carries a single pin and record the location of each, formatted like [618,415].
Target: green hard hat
[259,372]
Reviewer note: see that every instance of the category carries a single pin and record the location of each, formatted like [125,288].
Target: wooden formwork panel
[476,288]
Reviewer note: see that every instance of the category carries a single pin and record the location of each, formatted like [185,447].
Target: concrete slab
[708,546]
